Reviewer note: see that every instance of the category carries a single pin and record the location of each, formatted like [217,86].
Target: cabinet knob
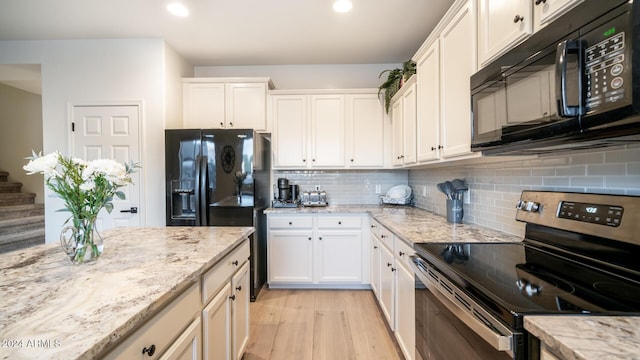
[339,222]
[314,160]
[388,264]
[351,160]
[393,269]
[320,238]
[374,247]
[231,124]
[235,262]
[401,253]
[383,236]
[232,297]
[518,18]
[239,288]
[221,124]
[149,350]
[440,147]
[372,226]
[433,148]
[309,237]
[290,223]
[304,160]
[538,2]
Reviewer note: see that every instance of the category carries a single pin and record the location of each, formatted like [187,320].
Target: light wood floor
[318,325]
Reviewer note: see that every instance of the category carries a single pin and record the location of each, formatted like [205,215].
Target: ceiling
[238,32]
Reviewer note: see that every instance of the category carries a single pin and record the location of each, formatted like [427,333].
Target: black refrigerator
[221,178]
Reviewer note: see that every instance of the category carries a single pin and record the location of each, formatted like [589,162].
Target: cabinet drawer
[291,222]
[215,278]
[375,228]
[162,329]
[402,252]
[385,236]
[339,222]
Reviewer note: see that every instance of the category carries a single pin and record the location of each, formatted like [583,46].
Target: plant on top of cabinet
[395,80]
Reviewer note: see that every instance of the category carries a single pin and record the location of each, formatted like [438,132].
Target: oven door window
[441,335]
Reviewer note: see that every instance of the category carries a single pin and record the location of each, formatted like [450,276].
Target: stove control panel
[609,215]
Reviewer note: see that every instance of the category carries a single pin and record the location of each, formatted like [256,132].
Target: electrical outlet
[378,189]
[467,197]
[424,191]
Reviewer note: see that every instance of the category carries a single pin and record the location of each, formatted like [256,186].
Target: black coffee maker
[284,191]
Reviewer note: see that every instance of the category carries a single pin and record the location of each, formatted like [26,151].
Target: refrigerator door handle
[197,189]
[204,183]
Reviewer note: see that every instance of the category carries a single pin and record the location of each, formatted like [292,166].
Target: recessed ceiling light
[177,9]
[342,6]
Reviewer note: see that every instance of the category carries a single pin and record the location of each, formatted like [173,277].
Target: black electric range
[579,256]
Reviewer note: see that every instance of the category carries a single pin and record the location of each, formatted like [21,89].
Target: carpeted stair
[21,220]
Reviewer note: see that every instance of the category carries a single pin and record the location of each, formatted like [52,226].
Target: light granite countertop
[411,224]
[576,337]
[569,337]
[53,309]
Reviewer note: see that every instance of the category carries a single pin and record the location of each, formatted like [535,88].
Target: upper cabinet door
[501,24]
[397,131]
[409,118]
[548,10]
[428,103]
[457,63]
[365,131]
[203,105]
[289,130]
[327,130]
[246,106]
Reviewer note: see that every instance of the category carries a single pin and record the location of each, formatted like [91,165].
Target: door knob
[133,210]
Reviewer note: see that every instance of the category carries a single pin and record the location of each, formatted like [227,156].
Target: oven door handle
[497,335]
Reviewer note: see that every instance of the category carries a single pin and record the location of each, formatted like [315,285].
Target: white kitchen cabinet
[457,64]
[318,250]
[290,129]
[188,346]
[545,11]
[405,299]
[364,131]
[375,259]
[428,103]
[225,103]
[216,329]
[387,285]
[502,24]
[404,122]
[327,130]
[240,311]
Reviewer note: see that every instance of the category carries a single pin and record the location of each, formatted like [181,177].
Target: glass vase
[82,242]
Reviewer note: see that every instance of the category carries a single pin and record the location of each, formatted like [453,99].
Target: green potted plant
[395,80]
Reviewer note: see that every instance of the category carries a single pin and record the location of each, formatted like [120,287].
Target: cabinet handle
[538,2]
[232,297]
[518,18]
[401,253]
[235,262]
[221,124]
[239,288]
[388,264]
[150,350]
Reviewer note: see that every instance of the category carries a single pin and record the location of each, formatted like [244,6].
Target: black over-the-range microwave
[573,84]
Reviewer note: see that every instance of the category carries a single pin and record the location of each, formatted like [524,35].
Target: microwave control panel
[606,67]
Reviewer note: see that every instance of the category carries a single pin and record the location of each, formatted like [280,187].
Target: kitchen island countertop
[53,309]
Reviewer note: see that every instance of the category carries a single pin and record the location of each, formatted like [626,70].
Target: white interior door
[110,132]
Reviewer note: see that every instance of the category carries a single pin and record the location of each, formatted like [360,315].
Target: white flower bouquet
[86,187]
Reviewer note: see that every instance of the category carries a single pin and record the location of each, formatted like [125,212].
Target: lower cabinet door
[188,346]
[405,312]
[375,266]
[217,326]
[387,283]
[240,311]
[339,257]
[290,257]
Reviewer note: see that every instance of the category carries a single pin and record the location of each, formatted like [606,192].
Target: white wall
[21,124]
[285,77]
[85,71]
